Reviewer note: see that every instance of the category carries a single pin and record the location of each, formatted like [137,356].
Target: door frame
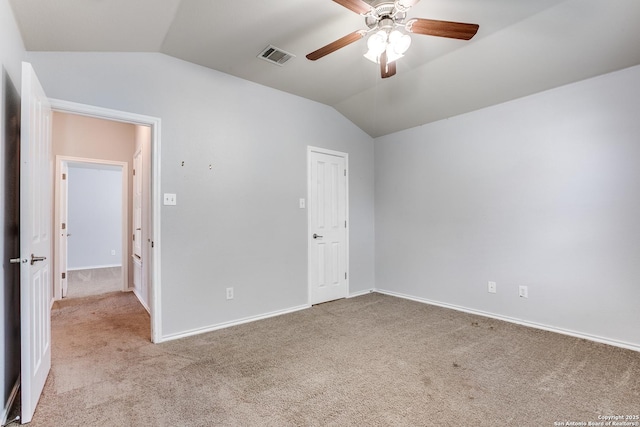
[124,247]
[155,253]
[345,156]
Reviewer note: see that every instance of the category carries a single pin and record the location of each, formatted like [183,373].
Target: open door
[35,241]
[139,282]
[137,204]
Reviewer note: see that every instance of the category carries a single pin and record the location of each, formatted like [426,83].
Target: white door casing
[35,241]
[328,248]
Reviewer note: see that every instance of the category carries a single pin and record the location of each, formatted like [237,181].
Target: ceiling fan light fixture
[395,43]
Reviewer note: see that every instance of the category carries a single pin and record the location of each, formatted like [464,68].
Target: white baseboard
[232,323]
[9,404]
[137,294]
[360,293]
[602,340]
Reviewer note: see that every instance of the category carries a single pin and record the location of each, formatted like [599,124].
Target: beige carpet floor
[374,360]
[96,281]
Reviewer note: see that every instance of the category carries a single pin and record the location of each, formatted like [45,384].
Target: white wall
[11,55]
[94,216]
[543,191]
[237,224]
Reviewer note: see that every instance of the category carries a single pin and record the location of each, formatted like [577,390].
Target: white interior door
[35,241]
[328,249]
[137,204]
[139,283]
[63,226]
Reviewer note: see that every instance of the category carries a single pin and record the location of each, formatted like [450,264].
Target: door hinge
[345,224]
[133,236]
[345,275]
[64,176]
[64,275]
[345,172]
[134,172]
[64,225]
[152,245]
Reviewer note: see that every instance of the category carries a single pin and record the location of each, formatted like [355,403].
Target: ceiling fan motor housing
[385,15]
[386,23]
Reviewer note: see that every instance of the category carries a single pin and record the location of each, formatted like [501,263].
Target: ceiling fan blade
[338,44]
[358,6]
[432,27]
[387,69]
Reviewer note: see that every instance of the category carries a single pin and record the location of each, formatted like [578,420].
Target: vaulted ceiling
[522,47]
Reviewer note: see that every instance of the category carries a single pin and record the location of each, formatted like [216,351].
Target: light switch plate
[492,287]
[170,199]
[523,291]
[303,203]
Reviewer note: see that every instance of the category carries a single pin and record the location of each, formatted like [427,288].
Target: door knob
[317,236]
[35,259]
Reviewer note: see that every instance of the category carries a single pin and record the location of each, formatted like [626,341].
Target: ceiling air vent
[275,55]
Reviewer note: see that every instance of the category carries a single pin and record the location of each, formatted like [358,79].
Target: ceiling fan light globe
[395,36]
[377,42]
[372,56]
[402,44]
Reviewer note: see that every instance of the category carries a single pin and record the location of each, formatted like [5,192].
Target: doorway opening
[91,218]
[145,235]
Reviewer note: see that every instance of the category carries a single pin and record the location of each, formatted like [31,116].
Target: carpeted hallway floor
[374,360]
[95,281]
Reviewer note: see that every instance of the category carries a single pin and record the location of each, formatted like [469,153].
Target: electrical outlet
[229,293]
[492,288]
[523,291]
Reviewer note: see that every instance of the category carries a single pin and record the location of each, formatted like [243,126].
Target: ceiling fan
[385,20]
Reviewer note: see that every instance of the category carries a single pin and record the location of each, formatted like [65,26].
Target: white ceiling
[522,47]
